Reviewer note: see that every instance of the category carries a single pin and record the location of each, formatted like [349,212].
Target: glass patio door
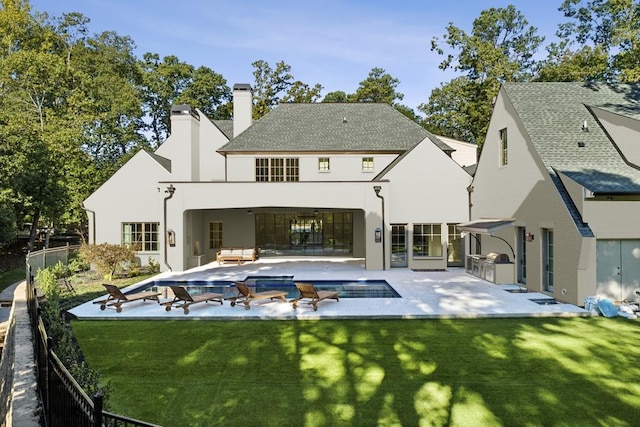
[547,247]
[522,256]
[398,245]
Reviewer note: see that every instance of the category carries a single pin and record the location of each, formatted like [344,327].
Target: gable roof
[331,127]
[225,126]
[553,114]
[163,161]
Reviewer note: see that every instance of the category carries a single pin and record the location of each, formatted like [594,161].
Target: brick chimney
[242,107]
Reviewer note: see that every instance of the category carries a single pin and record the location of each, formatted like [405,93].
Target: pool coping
[449,294]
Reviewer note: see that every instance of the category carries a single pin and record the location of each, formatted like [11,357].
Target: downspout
[93,222]
[170,190]
[377,189]
[469,192]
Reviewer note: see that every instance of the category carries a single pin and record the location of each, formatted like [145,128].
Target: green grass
[484,372]
[10,277]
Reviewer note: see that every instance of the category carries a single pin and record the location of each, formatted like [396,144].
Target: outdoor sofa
[238,255]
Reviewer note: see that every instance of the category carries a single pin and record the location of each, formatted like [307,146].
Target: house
[320,179]
[557,188]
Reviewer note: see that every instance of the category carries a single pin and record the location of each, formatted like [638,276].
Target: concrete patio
[425,294]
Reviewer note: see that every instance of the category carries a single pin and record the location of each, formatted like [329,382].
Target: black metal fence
[64,401]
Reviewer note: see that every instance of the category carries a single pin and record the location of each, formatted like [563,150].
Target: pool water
[345,288]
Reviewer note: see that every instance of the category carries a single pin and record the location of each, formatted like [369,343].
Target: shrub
[48,283]
[106,257]
[77,264]
[154,266]
[60,332]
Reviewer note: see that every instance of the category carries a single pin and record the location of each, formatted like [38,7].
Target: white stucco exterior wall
[523,190]
[427,187]
[132,194]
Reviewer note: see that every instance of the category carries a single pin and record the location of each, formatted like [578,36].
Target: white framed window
[504,149]
[215,235]
[427,240]
[140,236]
[323,164]
[367,164]
[277,169]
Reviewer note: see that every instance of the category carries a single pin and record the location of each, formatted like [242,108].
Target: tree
[107,258]
[208,91]
[301,92]
[36,132]
[500,48]
[456,109]
[269,86]
[272,86]
[612,27]
[162,82]
[336,96]
[172,81]
[564,65]
[379,86]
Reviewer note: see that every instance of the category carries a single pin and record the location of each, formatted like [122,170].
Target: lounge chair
[182,298]
[309,292]
[116,298]
[246,295]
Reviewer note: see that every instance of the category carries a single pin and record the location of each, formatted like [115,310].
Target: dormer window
[323,164]
[367,164]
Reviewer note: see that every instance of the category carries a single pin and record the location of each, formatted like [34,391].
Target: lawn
[481,372]
[8,278]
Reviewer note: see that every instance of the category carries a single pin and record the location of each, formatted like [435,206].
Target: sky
[332,42]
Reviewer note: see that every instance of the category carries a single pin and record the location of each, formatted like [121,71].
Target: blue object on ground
[607,308]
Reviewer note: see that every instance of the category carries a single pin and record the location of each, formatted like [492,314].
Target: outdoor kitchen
[493,267]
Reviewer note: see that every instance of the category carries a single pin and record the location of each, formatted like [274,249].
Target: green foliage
[154,266]
[107,258]
[564,65]
[612,28]
[48,283]
[8,278]
[61,334]
[336,96]
[77,265]
[172,81]
[272,86]
[7,215]
[489,372]
[379,86]
[500,48]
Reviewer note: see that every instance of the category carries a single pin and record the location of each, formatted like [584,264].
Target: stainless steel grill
[497,258]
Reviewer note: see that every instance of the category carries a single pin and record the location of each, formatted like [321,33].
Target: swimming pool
[345,288]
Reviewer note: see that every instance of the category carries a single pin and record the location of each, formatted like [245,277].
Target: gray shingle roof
[328,127]
[553,113]
[225,126]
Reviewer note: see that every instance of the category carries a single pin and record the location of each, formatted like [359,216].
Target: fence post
[97,410]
